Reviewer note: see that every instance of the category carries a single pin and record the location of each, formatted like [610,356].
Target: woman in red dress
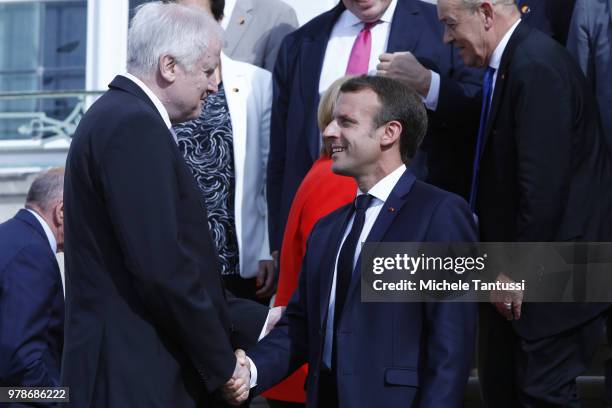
[320,193]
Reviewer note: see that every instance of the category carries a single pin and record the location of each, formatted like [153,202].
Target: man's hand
[404,67]
[236,390]
[507,302]
[274,316]
[266,279]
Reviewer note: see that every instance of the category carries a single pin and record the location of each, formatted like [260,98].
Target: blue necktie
[487,88]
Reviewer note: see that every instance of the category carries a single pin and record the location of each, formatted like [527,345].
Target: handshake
[236,390]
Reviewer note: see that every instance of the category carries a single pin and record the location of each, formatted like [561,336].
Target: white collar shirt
[380,192]
[158,104]
[496,57]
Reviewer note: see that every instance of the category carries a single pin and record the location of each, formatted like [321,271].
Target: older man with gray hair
[540,174]
[31,292]
[148,323]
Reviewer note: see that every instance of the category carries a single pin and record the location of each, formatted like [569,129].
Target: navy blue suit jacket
[295,138]
[31,305]
[388,354]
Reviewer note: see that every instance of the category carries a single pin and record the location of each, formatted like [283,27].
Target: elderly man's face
[465,29]
[367,11]
[191,87]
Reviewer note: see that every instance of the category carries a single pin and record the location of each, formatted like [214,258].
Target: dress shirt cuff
[253,370]
[431,100]
[263,333]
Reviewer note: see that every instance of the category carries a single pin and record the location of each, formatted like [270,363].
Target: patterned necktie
[360,54]
[487,88]
[347,254]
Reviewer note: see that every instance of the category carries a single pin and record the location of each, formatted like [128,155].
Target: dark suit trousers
[328,389]
[515,372]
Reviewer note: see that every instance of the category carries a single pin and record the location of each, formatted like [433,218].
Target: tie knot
[367,26]
[362,201]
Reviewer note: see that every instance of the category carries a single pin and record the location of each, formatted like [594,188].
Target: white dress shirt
[158,104]
[380,192]
[340,45]
[496,57]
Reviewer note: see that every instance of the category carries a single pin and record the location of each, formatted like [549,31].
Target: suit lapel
[387,215]
[312,53]
[328,260]
[405,27]
[237,89]
[239,21]
[610,10]
[502,76]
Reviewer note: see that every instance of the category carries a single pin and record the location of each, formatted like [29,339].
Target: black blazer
[147,320]
[295,137]
[544,173]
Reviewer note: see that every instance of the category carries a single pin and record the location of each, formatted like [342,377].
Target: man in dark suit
[541,174]
[374,354]
[321,51]
[31,292]
[147,320]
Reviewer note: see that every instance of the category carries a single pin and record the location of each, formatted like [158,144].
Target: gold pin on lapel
[241,20]
[525,9]
[391,209]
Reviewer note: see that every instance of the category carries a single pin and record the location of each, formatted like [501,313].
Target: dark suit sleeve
[278,144]
[247,318]
[460,95]
[578,40]
[450,328]
[544,149]
[286,23]
[31,283]
[140,180]
[285,348]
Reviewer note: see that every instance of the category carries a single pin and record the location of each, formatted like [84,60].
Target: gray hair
[472,5]
[160,28]
[47,189]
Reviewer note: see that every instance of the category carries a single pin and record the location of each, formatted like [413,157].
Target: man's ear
[486,11]
[58,214]
[167,67]
[391,133]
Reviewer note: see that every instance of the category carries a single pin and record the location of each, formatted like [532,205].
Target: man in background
[31,291]
[541,173]
[254,30]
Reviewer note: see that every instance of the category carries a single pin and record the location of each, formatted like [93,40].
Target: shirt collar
[496,57]
[227,12]
[383,188]
[48,232]
[348,19]
[158,104]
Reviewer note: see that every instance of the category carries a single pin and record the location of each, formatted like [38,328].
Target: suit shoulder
[275,7]
[249,70]
[17,239]
[433,195]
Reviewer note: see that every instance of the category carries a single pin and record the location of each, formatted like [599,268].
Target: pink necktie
[360,54]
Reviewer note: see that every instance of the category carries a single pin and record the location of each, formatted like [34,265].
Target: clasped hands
[236,390]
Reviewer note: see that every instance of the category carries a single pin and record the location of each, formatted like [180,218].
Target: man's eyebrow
[345,118]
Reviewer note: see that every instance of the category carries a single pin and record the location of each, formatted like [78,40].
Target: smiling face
[190,87]
[367,11]
[465,29]
[353,139]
